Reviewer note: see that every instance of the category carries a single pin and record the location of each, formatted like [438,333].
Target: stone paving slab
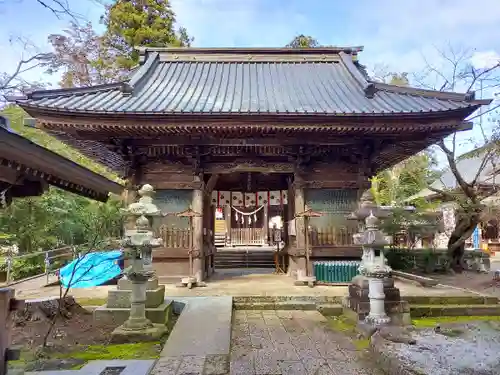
[132,367]
[203,328]
[291,343]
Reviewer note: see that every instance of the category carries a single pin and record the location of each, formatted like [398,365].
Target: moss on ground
[433,321]
[142,350]
[342,324]
[91,301]
[346,326]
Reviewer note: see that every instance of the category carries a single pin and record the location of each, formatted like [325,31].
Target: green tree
[57,217]
[303,41]
[133,23]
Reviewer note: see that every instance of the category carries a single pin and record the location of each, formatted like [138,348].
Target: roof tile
[231,87]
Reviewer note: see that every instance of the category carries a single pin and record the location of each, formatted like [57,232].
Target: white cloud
[485,59]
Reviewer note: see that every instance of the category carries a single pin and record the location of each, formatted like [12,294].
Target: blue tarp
[92,269]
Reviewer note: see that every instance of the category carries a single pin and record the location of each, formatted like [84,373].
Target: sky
[402,35]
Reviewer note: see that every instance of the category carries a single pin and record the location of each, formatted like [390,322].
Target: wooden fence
[331,236]
[175,237]
[248,236]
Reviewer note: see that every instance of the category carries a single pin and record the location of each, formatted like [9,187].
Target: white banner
[239,199]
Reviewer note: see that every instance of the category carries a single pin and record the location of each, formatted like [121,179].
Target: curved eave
[30,159]
[34,110]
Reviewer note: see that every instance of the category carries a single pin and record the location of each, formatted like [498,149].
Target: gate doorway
[242,207]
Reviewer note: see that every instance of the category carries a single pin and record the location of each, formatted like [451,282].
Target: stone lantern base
[357,303]
[117,308]
[121,335]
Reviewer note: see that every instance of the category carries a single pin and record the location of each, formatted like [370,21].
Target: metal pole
[9,266]
[306,230]
[47,266]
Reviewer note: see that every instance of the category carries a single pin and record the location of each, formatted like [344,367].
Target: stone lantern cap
[145,205]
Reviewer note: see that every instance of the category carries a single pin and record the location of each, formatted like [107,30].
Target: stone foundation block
[118,315]
[398,311]
[121,298]
[125,284]
[154,333]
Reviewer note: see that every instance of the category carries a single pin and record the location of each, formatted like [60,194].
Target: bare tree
[60,8]
[14,81]
[454,71]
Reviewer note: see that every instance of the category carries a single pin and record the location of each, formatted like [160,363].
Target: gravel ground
[465,349]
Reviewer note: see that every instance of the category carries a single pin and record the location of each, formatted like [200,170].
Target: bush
[23,268]
[420,260]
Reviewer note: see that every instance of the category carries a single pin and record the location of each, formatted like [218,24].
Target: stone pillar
[7,304]
[197,206]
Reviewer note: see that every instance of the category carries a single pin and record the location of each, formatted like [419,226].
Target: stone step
[285,305]
[450,300]
[274,299]
[419,311]
[158,315]
[330,309]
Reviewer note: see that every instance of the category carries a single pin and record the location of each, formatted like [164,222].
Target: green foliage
[57,217]
[420,260]
[411,225]
[16,116]
[132,23]
[396,184]
[303,41]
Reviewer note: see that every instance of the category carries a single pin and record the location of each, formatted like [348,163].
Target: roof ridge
[366,86]
[140,75]
[445,95]
[250,50]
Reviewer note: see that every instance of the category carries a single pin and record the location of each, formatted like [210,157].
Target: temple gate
[222,130]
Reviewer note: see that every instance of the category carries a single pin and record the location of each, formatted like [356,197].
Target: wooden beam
[211,183]
[248,166]
[275,140]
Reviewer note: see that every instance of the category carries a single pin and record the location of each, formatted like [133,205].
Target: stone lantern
[372,292]
[138,243]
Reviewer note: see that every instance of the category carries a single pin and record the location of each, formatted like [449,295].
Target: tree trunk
[456,244]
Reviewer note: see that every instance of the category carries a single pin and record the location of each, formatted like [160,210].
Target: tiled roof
[238,81]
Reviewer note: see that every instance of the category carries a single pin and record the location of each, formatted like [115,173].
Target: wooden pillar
[197,206]
[227,216]
[266,224]
[297,261]
[7,304]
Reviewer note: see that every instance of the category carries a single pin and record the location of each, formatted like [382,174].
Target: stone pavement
[225,283]
[200,342]
[291,343]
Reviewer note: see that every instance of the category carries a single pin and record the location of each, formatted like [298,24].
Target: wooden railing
[331,236]
[247,236]
[175,237]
